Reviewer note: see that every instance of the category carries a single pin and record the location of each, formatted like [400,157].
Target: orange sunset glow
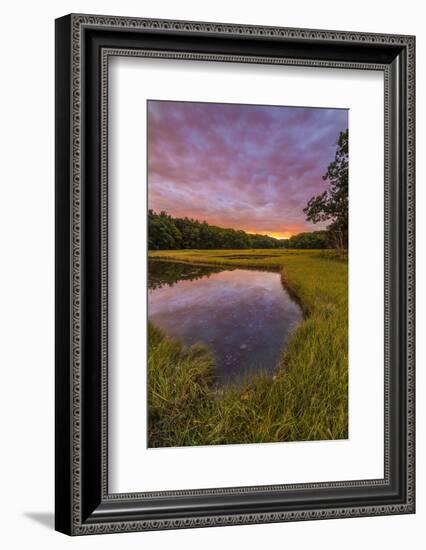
[274,234]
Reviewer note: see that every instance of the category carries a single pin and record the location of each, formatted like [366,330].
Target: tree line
[168,233]
[310,240]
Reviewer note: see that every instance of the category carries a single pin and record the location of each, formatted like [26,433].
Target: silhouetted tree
[333,203]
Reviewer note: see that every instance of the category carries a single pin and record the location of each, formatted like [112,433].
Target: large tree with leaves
[332,205]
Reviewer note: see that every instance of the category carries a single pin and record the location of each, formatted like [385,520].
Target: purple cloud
[243,166]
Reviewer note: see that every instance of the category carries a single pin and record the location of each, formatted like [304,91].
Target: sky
[246,167]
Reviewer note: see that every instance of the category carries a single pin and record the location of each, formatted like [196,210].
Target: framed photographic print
[234,274]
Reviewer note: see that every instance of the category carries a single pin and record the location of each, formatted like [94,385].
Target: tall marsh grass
[307,397]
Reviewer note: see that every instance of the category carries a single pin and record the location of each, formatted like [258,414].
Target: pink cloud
[248,167]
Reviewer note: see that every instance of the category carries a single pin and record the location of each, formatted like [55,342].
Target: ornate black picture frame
[83,45]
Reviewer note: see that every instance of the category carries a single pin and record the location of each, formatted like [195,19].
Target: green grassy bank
[306,399]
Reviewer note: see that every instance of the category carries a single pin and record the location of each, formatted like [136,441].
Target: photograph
[248,231]
[234,305]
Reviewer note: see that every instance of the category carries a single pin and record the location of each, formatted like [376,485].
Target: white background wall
[27,262]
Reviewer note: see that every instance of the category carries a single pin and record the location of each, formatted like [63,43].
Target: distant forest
[167,233]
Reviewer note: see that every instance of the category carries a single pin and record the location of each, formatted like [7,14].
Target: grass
[306,399]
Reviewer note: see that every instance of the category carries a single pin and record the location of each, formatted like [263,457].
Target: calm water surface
[244,316]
